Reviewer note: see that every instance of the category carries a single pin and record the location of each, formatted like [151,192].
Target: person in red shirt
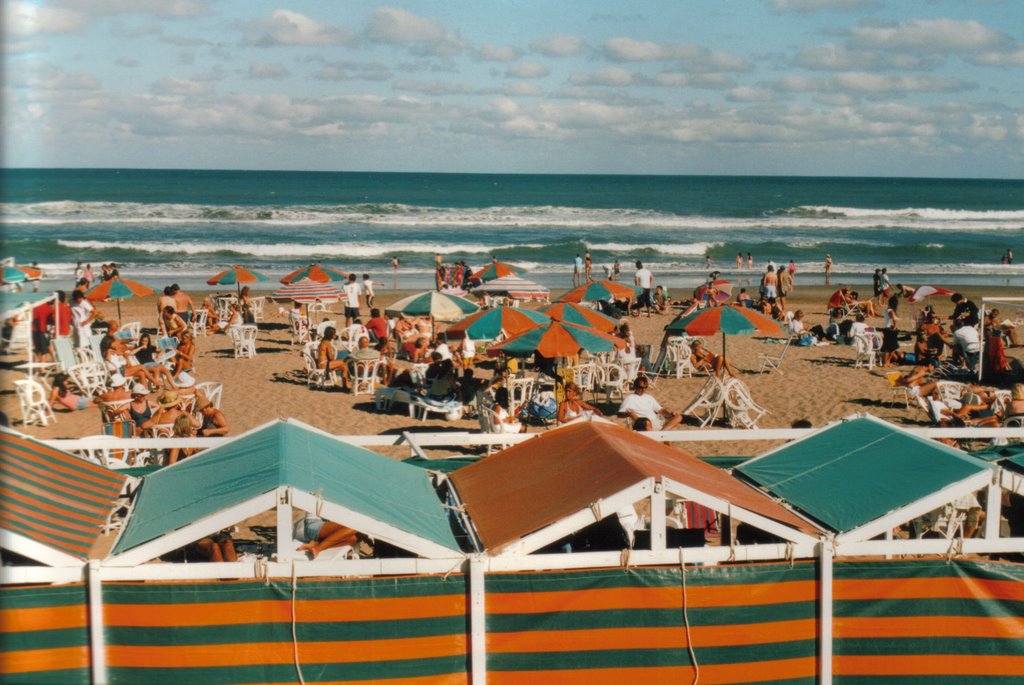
[42,319]
[62,316]
[377,325]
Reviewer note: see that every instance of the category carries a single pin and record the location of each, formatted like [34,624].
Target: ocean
[183,226]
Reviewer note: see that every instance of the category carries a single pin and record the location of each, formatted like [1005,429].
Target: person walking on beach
[577,270]
[351,291]
[616,269]
[644,279]
[828,269]
[588,266]
[368,290]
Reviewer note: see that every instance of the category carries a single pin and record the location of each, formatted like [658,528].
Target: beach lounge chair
[740,407]
[487,417]
[421,405]
[773,362]
[709,403]
[129,331]
[243,338]
[33,398]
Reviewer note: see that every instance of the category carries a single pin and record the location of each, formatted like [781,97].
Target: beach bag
[806,341]
[542,407]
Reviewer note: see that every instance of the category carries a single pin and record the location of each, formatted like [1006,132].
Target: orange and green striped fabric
[928,621]
[748,624]
[53,497]
[44,635]
[395,630]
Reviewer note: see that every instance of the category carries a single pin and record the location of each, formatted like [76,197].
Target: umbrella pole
[118,312]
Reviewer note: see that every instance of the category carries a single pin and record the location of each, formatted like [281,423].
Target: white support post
[993,509]
[888,538]
[477,621]
[284,524]
[825,614]
[97,641]
[658,532]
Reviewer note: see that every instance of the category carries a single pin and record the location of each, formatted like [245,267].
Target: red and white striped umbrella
[307,291]
[927,291]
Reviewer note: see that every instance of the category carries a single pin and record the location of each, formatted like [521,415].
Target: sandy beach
[817,384]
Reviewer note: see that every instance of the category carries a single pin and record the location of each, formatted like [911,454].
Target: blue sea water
[185,225]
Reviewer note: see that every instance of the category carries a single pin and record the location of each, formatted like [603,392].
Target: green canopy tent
[862,476]
[317,472]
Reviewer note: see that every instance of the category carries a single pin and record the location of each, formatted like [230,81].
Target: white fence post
[97,640]
[477,621]
[825,615]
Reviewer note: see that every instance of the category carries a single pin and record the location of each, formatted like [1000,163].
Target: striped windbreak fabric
[53,497]
[408,630]
[747,624]
[928,621]
[44,635]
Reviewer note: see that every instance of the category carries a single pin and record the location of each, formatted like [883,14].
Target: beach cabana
[279,465]
[53,506]
[861,477]
[542,490]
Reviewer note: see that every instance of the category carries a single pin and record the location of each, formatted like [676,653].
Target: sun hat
[169,399]
[184,380]
[117,380]
[202,403]
[139,389]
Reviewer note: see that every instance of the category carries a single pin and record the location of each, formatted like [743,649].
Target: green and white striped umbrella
[440,306]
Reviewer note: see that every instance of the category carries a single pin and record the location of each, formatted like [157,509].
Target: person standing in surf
[828,269]
[577,270]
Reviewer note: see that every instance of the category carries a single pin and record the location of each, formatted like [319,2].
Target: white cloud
[425,35]
[495,53]
[127,62]
[1013,56]
[859,82]
[695,57]
[353,71]
[42,75]
[817,5]
[527,70]
[609,76]
[749,94]
[170,85]
[159,8]
[267,70]
[928,36]
[22,19]
[284,27]
[559,46]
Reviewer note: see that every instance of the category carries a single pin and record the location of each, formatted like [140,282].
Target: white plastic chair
[257,307]
[615,381]
[299,330]
[130,330]
[364,378]
[520,390]
[316,377]
[212,390]
[90,378]
[198,322]
[865,345]
[33,398]
[244,340]
[679,362]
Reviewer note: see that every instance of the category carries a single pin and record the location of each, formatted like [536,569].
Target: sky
[791,87]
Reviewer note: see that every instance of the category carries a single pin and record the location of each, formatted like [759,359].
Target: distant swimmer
[828,269]
[739,260]
[750,261]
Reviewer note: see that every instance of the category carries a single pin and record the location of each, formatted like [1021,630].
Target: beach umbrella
[236,276]
[927,291]
[722,288]
[600,290]
[490,324]
[316,272]
[727,320]
[306,291]
[117,289]
[514,287]
[558,339]
[497,270]
[439,306]
[13,274]
[570,312]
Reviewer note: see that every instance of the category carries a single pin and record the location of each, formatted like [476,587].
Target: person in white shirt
[441,346]
[967,339]
[82,316]
[351,291]
[641,405]
[368,290]
[858,327]
[644,279]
